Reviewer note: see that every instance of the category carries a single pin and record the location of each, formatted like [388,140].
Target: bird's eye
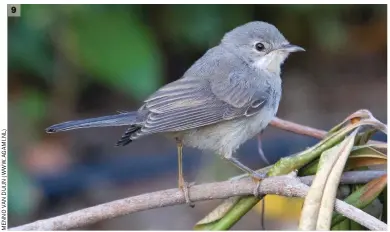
[259,47]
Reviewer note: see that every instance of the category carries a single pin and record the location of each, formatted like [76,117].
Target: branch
[303,130]
[281,185]
[351,177]
[298,128]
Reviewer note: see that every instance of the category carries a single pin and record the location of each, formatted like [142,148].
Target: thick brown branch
[282,185]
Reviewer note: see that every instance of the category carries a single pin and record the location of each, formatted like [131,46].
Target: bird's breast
[227,136]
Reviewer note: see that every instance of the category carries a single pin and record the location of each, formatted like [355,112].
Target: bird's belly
[225,137]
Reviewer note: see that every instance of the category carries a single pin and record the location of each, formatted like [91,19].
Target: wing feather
[194,102]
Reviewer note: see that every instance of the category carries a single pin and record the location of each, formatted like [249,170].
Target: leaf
[353,118]
[319,202]
[116,48]
[370,150]
[284,166]
[354,225]
[288,164]
[358,162]
[365,156]
[381,148]
[383,199]
[361,156]
[363,196]
[210,220]
[351,224]
[333,180]
[344,225]
[235,213]
[217,213]
[363,138]
[374,209]
[309,169]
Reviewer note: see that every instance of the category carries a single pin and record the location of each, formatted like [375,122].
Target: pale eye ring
[259,47]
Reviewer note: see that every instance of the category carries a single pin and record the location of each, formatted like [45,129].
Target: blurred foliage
[119,52]
[31,105]
[24,196]
[113,46]
[211,20]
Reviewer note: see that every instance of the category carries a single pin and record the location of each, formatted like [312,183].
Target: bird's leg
[241,166]
[260,148]
[257,177]
[183,186]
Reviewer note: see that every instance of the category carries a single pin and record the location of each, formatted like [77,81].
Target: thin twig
[281,185]
[304,130]
[298,128]
[351,177]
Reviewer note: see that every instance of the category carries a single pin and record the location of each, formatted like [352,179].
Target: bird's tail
[122,119]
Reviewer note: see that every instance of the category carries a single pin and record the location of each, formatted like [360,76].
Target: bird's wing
[193,102]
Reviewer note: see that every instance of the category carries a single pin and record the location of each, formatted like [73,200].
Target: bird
[228,96]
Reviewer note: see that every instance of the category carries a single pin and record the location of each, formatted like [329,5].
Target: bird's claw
[184,188]
[258,176]
[256,190]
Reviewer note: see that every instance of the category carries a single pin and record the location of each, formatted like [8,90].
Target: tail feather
[126,137]
[123,119]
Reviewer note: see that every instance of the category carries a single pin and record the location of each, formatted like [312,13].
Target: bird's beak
[291,48]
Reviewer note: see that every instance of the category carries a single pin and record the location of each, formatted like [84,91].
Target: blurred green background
[75,61]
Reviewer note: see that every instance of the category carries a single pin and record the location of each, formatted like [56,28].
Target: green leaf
[344,225]
[363,196]
[235,214]
[208,222]
[363,138]
[361,156]
[383,199]
[309,169]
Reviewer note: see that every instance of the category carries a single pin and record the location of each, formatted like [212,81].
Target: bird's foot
[184,187]
[257,177]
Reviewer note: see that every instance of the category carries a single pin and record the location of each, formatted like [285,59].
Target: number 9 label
[13,10]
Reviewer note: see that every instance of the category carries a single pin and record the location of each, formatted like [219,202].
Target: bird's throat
[271,62]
